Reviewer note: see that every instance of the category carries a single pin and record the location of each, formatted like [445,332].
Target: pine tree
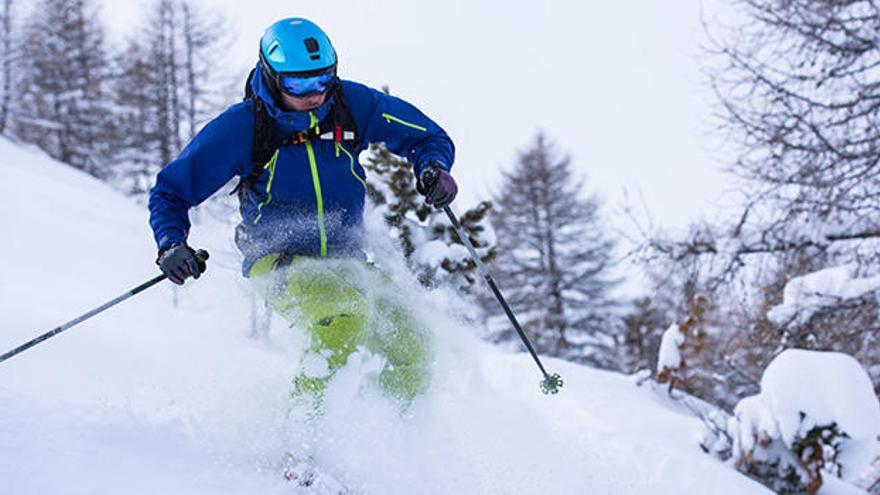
[64,99]
[475,223]
[554,259]
[428,241]
[390,185]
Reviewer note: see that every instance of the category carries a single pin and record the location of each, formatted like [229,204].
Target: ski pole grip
[202,257]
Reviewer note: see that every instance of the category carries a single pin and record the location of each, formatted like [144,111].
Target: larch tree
[554,259]
[64,76]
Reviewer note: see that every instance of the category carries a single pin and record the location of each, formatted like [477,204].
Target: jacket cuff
[419,168]
[168,240]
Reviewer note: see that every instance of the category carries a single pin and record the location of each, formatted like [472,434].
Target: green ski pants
[344,305]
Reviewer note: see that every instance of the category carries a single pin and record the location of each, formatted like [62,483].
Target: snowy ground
[147,398]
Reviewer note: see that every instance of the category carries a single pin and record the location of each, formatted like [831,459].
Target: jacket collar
[288,121]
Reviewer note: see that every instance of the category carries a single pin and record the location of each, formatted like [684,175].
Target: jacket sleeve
[216,154]
[406,131]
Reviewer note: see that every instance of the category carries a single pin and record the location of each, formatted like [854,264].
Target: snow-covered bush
[816,416]
[669,358]
[681,341]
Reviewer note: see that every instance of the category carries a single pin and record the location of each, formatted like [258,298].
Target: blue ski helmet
[296,45]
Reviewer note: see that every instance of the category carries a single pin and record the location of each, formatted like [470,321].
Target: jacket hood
[288,121]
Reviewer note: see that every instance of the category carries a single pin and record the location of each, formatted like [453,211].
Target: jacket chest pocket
[346,158]
[336,167]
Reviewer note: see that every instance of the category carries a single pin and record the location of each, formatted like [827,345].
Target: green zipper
[317,182]
[389,118]
[351,163]
[271,166]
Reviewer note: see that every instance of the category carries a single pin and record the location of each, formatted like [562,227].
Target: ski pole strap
[201,256]
[551,383]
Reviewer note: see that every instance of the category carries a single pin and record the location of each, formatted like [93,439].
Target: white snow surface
[804,296]
[148,398]
[801,389]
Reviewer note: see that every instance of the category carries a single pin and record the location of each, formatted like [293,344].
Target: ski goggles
[298,85]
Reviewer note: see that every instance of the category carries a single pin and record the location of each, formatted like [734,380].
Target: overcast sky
[614,84]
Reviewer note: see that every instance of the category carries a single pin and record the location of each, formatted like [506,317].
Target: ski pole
[201,256]
[551,383]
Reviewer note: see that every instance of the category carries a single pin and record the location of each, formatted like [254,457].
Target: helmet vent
[275,53]
[311,45]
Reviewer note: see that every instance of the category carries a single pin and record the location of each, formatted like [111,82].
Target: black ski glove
[178,262]
[436,185]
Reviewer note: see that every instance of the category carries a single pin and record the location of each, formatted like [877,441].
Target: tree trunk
[174,85]
[190,68]
[7,64]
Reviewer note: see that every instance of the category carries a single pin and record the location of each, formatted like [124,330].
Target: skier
[293,143]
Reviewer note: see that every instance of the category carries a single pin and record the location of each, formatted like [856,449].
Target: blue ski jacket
[309,198]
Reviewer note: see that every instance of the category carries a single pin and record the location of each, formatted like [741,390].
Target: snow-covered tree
[169,82]
[137,140]
[390,185]
[797,84]
[554,257]
[428,241]
[65,73]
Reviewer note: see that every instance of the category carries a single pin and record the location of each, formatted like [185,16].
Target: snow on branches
[804,296]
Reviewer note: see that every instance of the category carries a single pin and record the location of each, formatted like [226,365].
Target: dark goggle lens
[301,86]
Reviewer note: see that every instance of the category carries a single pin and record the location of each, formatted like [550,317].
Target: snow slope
[149,398]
